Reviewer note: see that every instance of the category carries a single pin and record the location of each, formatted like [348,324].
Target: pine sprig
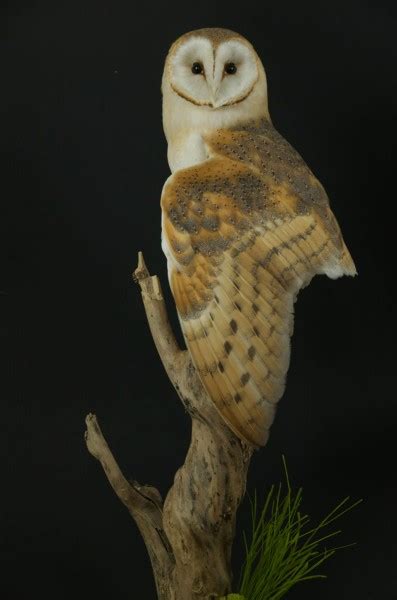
[283,549]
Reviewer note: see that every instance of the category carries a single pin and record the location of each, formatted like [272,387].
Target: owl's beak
[214,89]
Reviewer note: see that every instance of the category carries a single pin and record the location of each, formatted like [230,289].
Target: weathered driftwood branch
[189,538]
[143,502]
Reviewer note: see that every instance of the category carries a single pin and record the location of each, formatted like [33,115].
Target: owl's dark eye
[197,68]
[230,68]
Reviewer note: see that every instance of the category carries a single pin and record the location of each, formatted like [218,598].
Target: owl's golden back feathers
[243,232]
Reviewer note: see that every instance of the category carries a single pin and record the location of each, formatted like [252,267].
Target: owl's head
[213,78]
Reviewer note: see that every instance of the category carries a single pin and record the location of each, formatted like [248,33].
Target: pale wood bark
[189,538]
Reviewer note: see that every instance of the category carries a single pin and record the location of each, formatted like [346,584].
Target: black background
[85,160]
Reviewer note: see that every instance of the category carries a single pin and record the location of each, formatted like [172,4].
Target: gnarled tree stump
[189,537]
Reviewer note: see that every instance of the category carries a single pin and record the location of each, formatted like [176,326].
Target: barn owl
[245,225]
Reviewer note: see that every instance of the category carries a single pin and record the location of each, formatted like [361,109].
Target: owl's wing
[238,252]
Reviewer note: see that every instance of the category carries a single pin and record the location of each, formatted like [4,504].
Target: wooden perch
[189,537]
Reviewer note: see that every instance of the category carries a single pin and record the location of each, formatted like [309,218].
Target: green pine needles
[284,549]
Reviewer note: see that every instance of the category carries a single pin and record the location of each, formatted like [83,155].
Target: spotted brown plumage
[244,231]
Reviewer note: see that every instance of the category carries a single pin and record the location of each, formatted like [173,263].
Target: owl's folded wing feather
[238,252]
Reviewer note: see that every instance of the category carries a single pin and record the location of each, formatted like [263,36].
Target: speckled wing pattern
[243,232]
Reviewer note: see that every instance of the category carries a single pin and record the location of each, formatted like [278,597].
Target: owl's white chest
[185,150]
